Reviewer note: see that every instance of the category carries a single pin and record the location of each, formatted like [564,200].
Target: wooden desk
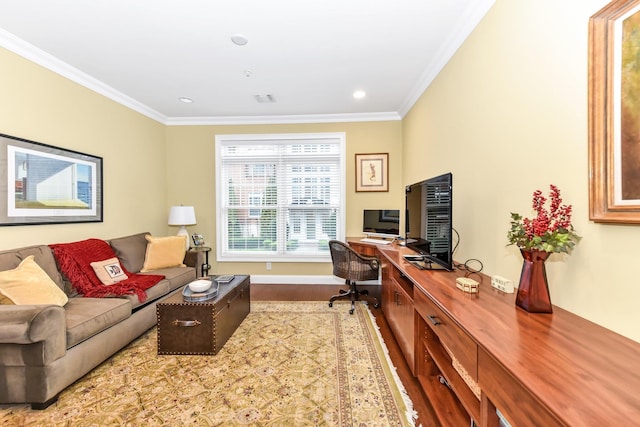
[364,248]
[537,369]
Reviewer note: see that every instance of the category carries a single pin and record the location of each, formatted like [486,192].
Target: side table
[202,327]
[206,266]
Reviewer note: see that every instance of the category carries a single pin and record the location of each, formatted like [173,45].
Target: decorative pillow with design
[29,284]
[75,258]
[109,271]
[164,252]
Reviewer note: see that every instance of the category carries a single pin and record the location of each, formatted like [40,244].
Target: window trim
[220,140]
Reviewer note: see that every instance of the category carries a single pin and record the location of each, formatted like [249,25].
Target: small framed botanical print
[372,172]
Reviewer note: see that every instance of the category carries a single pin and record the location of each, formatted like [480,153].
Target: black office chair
[351,266]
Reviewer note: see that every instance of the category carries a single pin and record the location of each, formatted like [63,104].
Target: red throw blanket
[75,261]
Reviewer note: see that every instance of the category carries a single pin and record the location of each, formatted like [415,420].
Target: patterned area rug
[288,364]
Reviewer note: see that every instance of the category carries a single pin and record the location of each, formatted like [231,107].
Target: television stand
[424,263]
[428,265]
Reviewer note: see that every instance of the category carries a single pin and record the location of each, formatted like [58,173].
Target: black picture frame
[198,240]
[44,184]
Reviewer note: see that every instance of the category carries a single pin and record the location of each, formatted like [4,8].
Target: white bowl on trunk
[200,285]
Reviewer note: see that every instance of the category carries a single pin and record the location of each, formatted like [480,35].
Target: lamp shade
[182,215]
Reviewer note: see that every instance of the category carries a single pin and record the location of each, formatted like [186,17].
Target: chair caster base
[354,295]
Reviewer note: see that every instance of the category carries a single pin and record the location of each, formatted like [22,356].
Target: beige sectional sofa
[45,348]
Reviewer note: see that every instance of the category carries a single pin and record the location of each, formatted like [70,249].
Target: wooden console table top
[583,373]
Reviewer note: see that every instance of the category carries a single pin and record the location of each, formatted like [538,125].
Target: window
[255,201]
[279,197]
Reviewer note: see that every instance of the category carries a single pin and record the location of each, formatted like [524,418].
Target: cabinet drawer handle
[434,320]
[185,323]
[397,297]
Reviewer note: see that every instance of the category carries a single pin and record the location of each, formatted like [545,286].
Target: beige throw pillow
[109,271]
[164,252]
[29,284]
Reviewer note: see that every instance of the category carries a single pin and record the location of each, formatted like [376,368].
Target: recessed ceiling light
[185,100]
[239,39]
[359,94]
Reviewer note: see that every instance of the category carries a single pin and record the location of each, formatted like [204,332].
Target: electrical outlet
[502,284]
[268,265]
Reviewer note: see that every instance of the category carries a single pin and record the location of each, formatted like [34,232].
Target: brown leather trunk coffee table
[202,327]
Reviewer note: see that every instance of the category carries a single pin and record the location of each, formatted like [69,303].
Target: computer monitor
[381,223]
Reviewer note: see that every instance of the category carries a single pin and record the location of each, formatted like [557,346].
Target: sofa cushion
[153,293]
[164,252]
[29,284]
[109,271]
[131,251]
[43,256]
[175,278]
[85,317]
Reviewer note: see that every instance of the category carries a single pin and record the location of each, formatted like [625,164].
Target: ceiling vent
[265,99]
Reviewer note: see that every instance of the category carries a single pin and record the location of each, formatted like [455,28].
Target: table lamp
[182,216]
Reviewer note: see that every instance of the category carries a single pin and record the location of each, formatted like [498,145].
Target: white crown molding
[468,23]
[284,119]
[40,57]
[48,61]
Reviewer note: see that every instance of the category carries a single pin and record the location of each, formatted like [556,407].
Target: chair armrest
[29,324]
[371,260]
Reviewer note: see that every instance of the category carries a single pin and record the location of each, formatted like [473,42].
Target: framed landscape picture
[43,184]
[372,172]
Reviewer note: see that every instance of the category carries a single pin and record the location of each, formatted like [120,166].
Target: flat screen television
[429,221]
[381,223]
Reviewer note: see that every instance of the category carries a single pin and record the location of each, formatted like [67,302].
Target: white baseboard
[303,280]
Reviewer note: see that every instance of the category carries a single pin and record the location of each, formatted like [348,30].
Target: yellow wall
[41,106]
[508,115]
[191,179]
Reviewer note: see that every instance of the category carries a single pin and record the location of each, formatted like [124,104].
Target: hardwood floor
[426,416]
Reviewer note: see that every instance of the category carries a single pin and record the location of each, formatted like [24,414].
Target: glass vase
[533,290]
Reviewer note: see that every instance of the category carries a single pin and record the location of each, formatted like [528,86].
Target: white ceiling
[310,55]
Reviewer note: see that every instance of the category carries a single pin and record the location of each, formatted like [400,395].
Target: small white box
[502,284]
[465,284]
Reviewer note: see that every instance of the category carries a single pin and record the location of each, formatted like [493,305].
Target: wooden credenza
[474,354]
[397,306]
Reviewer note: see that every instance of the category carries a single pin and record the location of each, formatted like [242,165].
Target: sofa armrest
[194,259]
[29,324]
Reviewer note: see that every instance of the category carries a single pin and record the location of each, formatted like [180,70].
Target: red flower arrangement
[550,231]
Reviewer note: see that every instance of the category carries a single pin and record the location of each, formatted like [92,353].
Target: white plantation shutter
[279,197]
